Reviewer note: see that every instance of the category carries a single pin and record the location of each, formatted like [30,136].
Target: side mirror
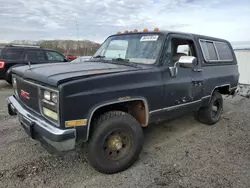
[184,61]
[187,61]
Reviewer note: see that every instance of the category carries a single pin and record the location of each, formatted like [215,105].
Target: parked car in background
[71,57]
[81,59]
[18,55]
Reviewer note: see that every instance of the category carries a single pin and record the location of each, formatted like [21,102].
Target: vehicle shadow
[162,133]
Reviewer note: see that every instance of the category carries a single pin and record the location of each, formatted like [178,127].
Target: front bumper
[37,128]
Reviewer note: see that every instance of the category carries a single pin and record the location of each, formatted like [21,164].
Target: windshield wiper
[99,56]
[125,62]
[120,59]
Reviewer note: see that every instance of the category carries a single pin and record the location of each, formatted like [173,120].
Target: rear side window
[208,50]
[224,51]
[35,56]
[216,51]
[12,54]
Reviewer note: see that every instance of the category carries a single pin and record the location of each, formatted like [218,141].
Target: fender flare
[107,103]
[230,89]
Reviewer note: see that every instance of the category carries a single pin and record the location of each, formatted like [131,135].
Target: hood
[53,74]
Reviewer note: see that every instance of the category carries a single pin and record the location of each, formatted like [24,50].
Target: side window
[216,51]
[208,50]
[35,56]
[54,56]
[14,54]
[177,48]
[224,51]
[117,49]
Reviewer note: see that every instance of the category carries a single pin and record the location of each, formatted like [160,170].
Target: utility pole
[77,38]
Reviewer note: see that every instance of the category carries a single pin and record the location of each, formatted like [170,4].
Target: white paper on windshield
[149,38]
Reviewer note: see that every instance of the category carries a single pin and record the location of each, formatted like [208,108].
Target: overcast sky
[56,19]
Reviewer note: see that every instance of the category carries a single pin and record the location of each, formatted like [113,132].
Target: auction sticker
[149,38]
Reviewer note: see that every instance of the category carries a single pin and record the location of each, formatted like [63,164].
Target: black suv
[133,80]
[17,55]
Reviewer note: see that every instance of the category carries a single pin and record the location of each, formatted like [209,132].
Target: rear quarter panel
[220,73]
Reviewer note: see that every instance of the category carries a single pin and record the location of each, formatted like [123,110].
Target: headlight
[54,97]
[49,104]
[50,96]
[46,95]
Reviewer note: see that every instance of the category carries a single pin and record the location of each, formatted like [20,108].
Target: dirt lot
[180,153]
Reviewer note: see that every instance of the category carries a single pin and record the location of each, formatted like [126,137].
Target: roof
[166,32]
[26,47]
[22,46]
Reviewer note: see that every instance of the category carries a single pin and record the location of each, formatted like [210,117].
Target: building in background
[242,52]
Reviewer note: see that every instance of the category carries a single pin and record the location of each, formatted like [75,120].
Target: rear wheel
[211,114]
[116,142]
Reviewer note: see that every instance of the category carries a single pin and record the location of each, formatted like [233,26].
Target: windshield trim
[161,35]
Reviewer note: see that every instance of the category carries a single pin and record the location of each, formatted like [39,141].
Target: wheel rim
[117,145]
[216,109]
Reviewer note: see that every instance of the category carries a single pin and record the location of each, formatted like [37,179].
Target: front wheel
[116,142]
[211,114]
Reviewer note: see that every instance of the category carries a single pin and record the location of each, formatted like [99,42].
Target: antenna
[77,38]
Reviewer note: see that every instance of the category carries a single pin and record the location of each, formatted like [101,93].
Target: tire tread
[94,134]
[204,112]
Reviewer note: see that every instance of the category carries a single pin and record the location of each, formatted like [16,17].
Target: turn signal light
[2,64]
[145,30]
[74,123]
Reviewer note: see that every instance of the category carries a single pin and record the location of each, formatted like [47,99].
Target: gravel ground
[179,153]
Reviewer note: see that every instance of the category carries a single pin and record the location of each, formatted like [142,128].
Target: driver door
[182,92]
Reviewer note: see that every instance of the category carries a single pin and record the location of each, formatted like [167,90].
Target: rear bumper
[38,128]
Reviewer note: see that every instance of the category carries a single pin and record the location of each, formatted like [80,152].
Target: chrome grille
[28,94]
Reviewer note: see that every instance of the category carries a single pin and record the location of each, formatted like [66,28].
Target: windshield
[137,48]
